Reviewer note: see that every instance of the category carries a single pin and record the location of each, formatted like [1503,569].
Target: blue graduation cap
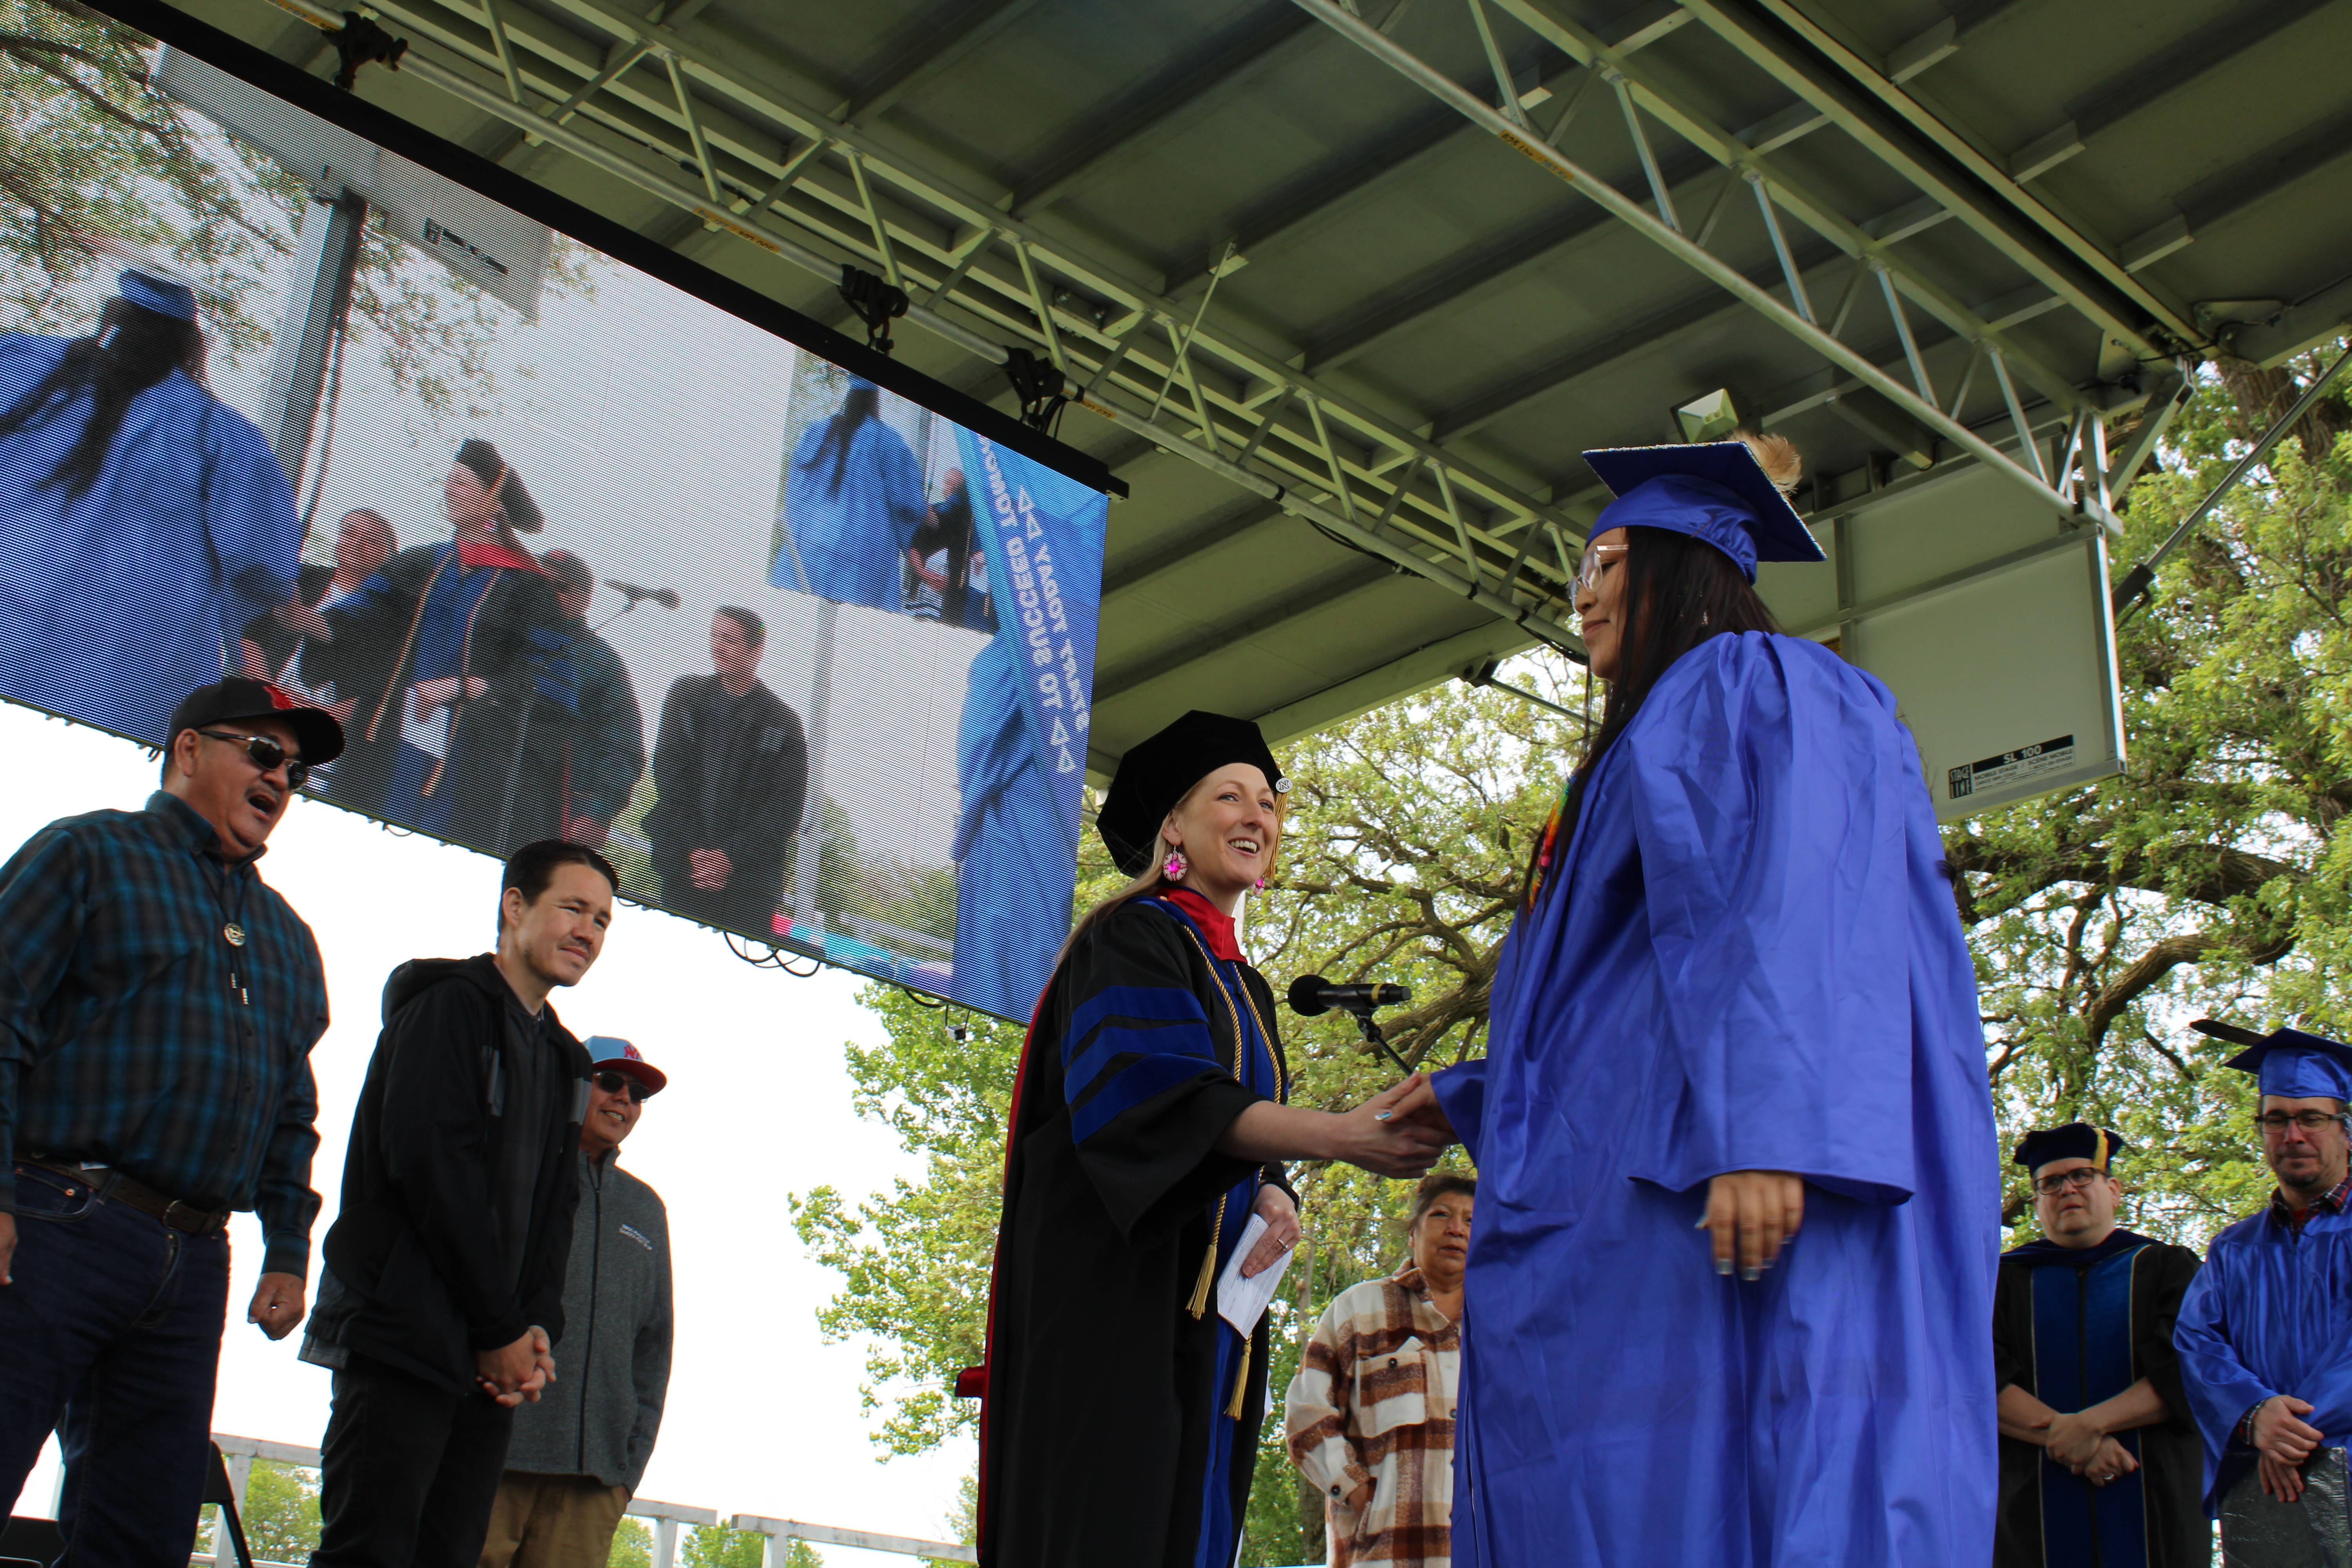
[160,295]
[2287,1062]
[1714,490]
[2076,1141]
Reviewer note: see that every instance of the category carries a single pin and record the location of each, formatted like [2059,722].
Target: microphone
[666,597]
[1311,994]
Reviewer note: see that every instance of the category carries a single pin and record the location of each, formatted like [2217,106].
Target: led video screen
[569,550]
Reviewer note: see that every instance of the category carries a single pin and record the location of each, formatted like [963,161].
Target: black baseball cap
[238,699]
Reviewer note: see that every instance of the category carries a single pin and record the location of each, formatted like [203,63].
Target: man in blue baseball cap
[2266,1355]
[148,522]
[577,1457]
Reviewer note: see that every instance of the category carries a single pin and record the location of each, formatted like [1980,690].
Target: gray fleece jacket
[611,1371]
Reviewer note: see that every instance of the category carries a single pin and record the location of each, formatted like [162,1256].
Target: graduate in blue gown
[2265,1332]
[143,520]
[853,500]
[1728,1297]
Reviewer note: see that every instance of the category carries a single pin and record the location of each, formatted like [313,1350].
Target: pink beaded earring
[1176,867]
[1259,884]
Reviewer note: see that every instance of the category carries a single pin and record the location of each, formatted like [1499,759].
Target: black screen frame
[168,25]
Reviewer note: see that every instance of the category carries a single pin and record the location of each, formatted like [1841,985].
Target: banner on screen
[580,556]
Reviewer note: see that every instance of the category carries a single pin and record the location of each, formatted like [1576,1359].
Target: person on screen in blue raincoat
[2265,1331]
[1738,1214]
[145,521]
[853,501]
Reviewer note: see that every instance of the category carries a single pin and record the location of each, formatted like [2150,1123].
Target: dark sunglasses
[266,755]
[614,1082]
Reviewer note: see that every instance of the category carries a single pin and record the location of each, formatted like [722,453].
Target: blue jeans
[112,1328]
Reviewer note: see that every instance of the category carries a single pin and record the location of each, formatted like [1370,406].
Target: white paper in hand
[1242,1302]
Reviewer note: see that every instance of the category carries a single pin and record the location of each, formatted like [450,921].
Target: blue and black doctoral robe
[2073,1327]
[1110,1433]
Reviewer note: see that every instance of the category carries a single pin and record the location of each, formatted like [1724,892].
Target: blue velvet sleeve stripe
[1158,1003]
[1148,1076]
[1114,1041]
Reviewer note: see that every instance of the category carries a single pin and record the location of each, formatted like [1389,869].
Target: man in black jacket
[443,1292]
[730,765]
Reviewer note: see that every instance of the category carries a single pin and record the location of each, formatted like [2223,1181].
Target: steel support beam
[1633,214]
[994,298]
[1328,194]
[1814,210]
[1307,599]
[1737,26]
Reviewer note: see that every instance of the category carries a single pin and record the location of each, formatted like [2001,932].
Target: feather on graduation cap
[2287,1062]
[1733,494]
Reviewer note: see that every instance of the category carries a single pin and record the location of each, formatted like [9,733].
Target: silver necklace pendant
[234,932]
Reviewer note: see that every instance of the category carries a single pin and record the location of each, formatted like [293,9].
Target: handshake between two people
[1399,1132]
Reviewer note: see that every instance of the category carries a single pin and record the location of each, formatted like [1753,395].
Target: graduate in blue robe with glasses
[2100,1463]
[1120,1412]
[2265,1332]
[1738,1225]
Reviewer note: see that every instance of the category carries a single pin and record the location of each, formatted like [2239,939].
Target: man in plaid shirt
[158,1004]
[1370,1414]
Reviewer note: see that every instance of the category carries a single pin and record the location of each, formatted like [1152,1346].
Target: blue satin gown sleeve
[2221,1388]
[249,520]
[1768,810]
[1461,1095]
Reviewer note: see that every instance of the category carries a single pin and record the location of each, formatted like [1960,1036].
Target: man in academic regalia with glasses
[2100,1463]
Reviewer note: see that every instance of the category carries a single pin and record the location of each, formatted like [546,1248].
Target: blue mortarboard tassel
[1715,491]
[2287,1062]
[160,295]
[2076,1141]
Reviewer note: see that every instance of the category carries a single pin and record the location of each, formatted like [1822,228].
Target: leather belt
[111,1186]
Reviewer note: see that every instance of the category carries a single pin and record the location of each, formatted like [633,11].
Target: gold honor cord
[1198,1305]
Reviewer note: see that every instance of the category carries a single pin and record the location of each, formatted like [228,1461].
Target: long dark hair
[1679,592]
[133,348]
[863,403]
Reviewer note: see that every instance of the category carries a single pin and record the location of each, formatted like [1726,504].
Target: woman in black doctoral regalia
[1121,1412]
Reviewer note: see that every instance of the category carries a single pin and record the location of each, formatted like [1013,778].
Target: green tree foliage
[280,1513]
[96,164]
[716,1546]
[633,1545]
[2207,877]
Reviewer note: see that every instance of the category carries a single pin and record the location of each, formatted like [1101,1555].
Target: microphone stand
[1362,1014]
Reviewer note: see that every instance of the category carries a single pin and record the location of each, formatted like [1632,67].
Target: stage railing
[663,1517]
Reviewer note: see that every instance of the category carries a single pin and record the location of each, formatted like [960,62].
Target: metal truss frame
[812,189]
[2070,501]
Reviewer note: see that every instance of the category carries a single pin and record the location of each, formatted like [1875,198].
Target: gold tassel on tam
[1241,1383]
[1198,1305]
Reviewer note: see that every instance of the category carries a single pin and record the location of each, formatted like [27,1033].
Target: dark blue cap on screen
[160,295]
[2076,1141]
[2287,1062]
[1714,490]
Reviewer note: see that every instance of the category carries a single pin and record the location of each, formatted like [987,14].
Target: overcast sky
[763,1417]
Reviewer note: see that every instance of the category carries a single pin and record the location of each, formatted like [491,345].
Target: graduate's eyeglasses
[266,755]
[614,1082]
[2308,1121]
[1596,556]
[2076,1180]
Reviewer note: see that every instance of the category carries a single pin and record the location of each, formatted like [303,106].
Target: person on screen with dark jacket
[603,746]
[443,1292]
[579,1453]
[730,765]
